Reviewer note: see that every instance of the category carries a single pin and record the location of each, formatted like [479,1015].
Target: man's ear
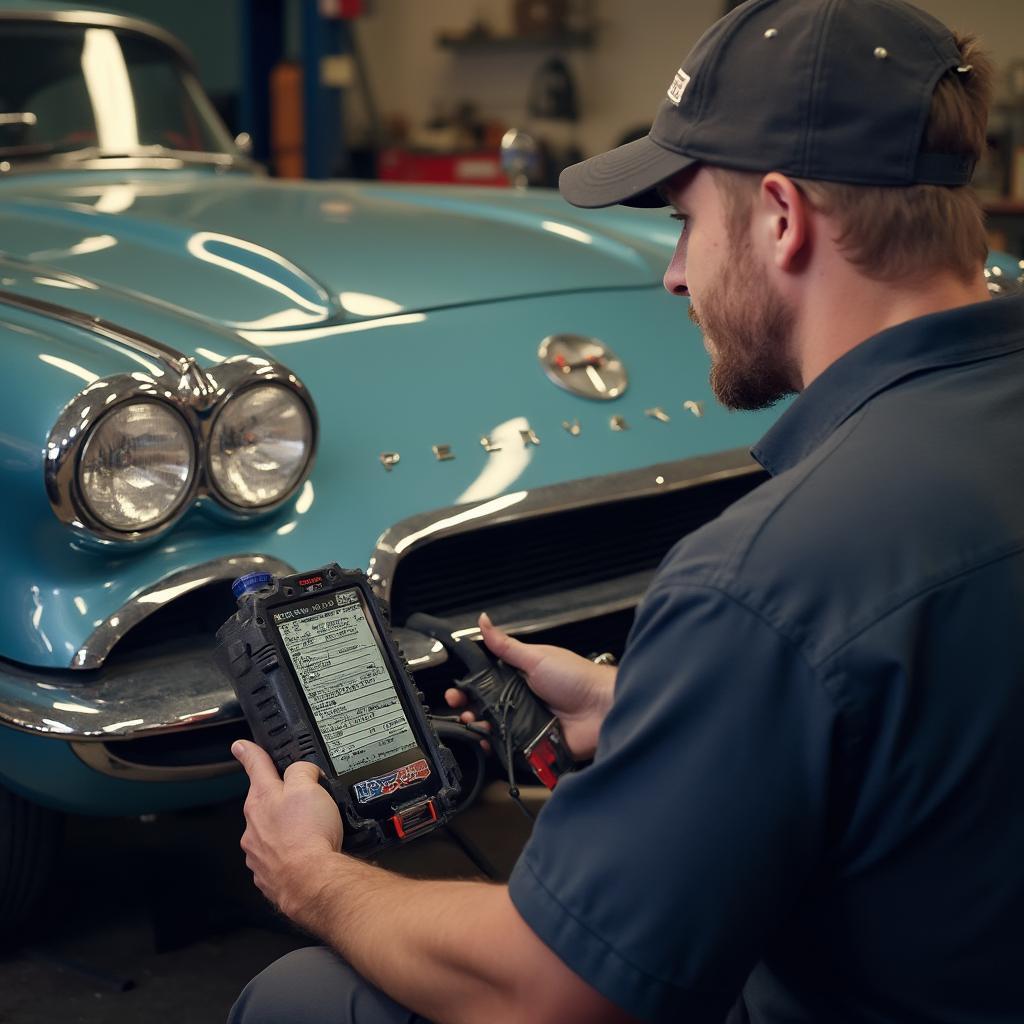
[783,217]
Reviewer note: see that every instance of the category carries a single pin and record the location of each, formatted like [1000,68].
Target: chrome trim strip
[406,536]
[102,758]
[141,605]
[167,160]
[170,358]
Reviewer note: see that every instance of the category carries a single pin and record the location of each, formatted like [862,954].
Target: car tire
[30,837]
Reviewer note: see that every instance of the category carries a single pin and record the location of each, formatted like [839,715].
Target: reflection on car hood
[261,254]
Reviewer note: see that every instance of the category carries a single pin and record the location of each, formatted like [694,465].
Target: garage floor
[158,920]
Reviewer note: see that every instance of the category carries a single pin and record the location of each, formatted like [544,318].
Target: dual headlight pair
[130,454]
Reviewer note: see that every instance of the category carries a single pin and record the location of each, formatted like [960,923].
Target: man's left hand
[291,825]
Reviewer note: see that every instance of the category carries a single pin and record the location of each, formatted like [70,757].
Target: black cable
[462,732]
[507,703]
[465,650]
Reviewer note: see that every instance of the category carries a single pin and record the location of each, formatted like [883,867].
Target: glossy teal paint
[246,251]
[48,772]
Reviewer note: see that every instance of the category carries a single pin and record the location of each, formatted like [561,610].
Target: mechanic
[806,801]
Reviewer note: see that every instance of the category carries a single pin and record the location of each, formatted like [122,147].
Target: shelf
[1004,207]
[515,44]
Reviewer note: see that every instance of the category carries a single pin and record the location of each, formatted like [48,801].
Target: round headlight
[260,445]
[137,465]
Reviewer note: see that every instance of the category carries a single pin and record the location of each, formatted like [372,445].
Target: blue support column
[326,154]
[262,49]
[263,43]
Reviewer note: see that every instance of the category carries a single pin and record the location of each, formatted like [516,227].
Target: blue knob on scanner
[249,582]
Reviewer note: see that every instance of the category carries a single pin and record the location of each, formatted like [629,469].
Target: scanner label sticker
[391,782]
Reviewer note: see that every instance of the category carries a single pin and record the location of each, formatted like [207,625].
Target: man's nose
[675,276]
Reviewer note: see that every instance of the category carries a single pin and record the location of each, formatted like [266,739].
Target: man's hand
[291,825]
[577,691]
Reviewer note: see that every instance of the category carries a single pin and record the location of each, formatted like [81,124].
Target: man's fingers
[301,773]
[516,653]
[257,764]
[455,698]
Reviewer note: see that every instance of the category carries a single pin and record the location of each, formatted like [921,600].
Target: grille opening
[466,573]
[195,616]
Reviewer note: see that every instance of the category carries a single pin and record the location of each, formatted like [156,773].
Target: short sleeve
[658,873]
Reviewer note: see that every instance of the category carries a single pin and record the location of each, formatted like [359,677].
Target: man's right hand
[578,691]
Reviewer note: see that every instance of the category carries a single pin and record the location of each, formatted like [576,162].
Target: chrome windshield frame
[230,158]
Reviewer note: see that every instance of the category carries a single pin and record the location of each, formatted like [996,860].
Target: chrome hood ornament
[584,366]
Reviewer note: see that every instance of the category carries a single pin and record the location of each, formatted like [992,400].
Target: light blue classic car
[484,398]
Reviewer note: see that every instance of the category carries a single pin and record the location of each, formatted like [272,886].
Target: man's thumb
[515,652]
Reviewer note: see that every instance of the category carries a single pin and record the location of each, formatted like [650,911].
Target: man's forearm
[444,949]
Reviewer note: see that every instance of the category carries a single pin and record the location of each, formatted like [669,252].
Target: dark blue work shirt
[811,781]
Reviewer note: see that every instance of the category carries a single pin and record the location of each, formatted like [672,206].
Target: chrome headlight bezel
[197,396]
[189,465]
[233,378]
[218,486]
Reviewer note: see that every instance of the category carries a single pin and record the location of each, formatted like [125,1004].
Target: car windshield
[96,91]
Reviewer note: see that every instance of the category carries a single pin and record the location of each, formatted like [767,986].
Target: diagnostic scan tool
[320,679]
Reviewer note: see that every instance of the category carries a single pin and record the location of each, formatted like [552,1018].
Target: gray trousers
[315,986]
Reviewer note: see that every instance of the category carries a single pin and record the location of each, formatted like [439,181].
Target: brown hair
[896,234]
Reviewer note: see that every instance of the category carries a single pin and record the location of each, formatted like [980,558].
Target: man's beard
[748,328]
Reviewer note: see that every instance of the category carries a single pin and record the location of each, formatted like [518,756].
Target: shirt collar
[963,335]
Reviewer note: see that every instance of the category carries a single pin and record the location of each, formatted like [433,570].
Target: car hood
[245,251]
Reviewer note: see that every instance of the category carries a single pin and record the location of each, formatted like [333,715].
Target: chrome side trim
[105,636]
[102,758]
[406,536]
[169,358]
[170,160]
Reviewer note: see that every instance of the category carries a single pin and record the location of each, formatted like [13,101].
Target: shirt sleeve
[658,873]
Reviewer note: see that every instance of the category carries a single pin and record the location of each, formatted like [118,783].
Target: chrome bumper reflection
[177,688]
[174,690]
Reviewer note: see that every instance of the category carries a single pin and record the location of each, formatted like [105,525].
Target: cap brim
[627,175]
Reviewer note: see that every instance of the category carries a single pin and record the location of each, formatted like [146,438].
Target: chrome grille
[525,560]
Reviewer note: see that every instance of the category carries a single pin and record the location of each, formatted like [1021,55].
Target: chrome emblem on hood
[584,366]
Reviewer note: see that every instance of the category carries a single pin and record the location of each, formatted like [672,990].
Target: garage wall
[620,81]
[646,38]
[1000,23]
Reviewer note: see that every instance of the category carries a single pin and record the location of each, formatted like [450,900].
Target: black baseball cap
[829,90]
